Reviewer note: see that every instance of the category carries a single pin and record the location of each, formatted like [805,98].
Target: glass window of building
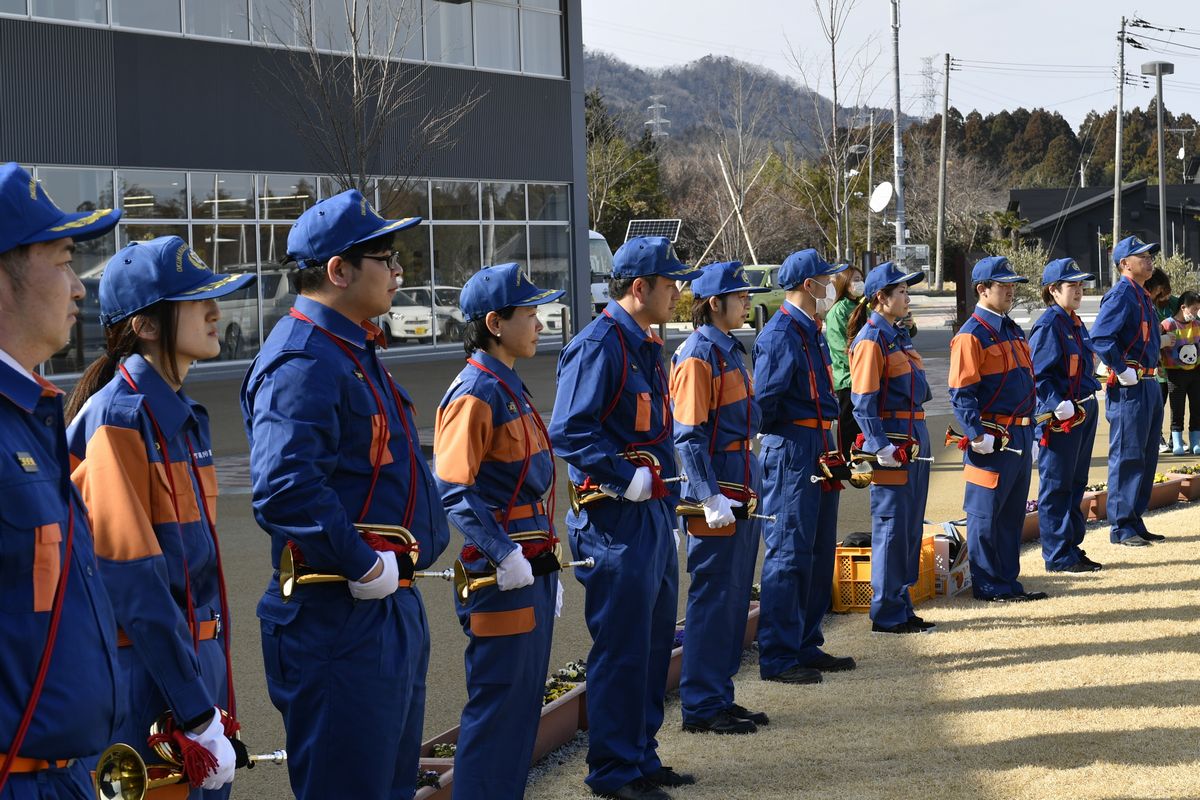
[154,15]
[145,231]
[448,32]
[78,10]
[232,249]
[222,195]
[153,194]
[224,19]
[285,196]
[278,22]
[504,201]
[541,36]
[550,5]
[455,200]
[87,338]
[456,254]
[497,43]
[411,318]
[401,197]
[548,201]
[395,27]
[550,255]
[77,189]
[237,328]
[331,24]
[503,244]
[274,288]
[13,7]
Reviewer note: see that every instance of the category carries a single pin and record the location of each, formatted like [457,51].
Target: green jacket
[835,334]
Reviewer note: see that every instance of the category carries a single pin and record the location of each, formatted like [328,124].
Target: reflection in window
[77,189]
[550,255]
[285,196]
[225,19]
[238,326]
[275,291]
[272,245]
[146,232]
[79,10]
[504,201]
[549,202]
[448,32]
[331,23]
[402,198]
[395,28]
[226,248]
[278,22]
[503,244]
[455,253]
[87,338]
[497,45]
[455,200]
[154,15]
[541,35]
[225,195]
[153,194]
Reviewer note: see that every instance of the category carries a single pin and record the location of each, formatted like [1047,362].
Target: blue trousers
[506,676]
[1134,416]
[1062,477]
[994,500]
[631,597]
[897,524]
[349,679]
[722,570]
[797,575]
[69,783]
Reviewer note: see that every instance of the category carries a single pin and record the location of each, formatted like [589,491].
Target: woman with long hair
[889,389]
[143,463]
[495,470]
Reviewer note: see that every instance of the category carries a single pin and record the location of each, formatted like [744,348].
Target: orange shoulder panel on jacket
[115,481]
[462,435]
[966,360]
[733,387]
[508,440]
[866,367]
[692,390]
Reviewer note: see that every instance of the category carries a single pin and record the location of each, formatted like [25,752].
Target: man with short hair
[612,425]
[335,459]
[51,592]
[993,392]
[1126,336]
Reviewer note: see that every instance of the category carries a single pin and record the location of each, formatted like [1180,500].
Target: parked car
[766,276]
[600,260]
[550,315]
[419,313]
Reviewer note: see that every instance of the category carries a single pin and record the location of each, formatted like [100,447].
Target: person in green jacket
[849,285]
[1158,285]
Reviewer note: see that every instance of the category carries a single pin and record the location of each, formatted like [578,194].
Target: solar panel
[653,227]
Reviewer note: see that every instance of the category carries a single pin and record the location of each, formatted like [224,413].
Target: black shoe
[1084,564]
[636,789]
[1027,597]
[796,675]
[722,722]
[920,623]
[1153,537]
[1134,541]
[903,627]
[665,776]
[759,718]
[828,663]
[1000,598]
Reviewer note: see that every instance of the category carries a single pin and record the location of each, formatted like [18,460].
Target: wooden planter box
[1029,530]
[1095,505]
[445,790]
[1189,490]
[1166,493]
[560,720]
[751,625]
[445,737]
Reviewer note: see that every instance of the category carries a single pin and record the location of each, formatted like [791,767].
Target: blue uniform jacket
[482,439]
[792,372]
[991,371]
[314,428]
[140,542]
[1126,329]
[612,393]
[713,401]
[1063,358]
[77,714]
[887,377]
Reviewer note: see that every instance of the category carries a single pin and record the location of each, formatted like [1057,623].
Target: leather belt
[813,423]
[737,446]
[23,764]
[208,629]
[523,511]
[902,415]
[1006,420]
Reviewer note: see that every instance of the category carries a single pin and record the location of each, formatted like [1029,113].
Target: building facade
[184,113]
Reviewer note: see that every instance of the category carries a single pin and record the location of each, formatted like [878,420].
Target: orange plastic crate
[852,577]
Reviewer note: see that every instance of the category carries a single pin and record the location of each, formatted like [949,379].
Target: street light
[1158,69]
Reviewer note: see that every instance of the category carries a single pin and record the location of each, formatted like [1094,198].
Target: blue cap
[334,225]
[1064,269]
[643,256]
[725,277]
[499,287]
[29,216]
[888,274]
[805,264]
[142,273]
[995,268]
[1131,246]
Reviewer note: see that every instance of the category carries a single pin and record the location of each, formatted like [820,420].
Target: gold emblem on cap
[32,188]
[82,221]
[179,257]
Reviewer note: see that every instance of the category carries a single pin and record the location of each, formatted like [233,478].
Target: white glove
[213,739]
[514,571]
[887,457]
[387,582]
[985,446]
[1064,410]
[1128,377]
[640,487]
[1166,340]
[718,510]
[558,601]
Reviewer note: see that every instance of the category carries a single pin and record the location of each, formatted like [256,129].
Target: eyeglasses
[391,259]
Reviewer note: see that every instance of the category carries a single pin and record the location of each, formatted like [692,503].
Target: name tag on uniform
[26,461]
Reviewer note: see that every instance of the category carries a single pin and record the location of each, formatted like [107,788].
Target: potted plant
[435,782]
[1029,530]
[1095,501]
[1166,490]
[1189,489]
[563,713]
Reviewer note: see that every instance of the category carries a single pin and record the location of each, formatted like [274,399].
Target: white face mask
[1188,317]
[857,288]
[825,303]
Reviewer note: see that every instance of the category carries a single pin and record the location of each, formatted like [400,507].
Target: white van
[600,259]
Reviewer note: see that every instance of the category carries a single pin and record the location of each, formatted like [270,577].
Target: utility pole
[870,187]
[941,211]
[1120,134]
[1158,69]
[897,135]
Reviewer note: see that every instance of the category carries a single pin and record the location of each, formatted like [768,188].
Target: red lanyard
[661,378]
[201,503]
[1142,327]
[1073,381]
[912,383]
[812,375]
[1004,350]
[712,439]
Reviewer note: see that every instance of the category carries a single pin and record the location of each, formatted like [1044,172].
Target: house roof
[1091,200]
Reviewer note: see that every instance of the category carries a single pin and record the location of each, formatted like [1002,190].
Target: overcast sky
[1019,37]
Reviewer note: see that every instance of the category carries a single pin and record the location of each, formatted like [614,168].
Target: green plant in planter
[428,777]
[444,750]
[556,688]
[1097,487]
[1192,469]
[756,591]
[573,671]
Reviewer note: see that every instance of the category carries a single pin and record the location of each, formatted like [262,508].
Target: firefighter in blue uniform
[612,425]
[53,607]
[716,419]
[888,389]
[1064,362]
[1126,337]
[333,444]
[993,394]
[793,381]
[495,469]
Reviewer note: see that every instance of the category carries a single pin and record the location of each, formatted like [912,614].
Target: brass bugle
[464,584]
[289,578]
[859,456]
[953,437]
[122,774]
[697,510]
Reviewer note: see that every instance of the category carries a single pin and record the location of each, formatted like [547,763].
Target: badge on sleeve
[26,461]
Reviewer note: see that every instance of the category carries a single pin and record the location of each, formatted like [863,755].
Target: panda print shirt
[1186,351]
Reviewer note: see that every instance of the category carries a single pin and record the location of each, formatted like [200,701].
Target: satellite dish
[881,197]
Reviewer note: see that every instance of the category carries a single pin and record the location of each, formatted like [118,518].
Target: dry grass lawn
[1094,693]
